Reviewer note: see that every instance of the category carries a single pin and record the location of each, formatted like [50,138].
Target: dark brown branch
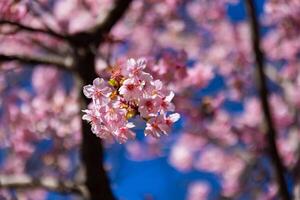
[263,94]
[47,183]
[47,48]
[33,30]
[60,63]
[96,34]
[112,18]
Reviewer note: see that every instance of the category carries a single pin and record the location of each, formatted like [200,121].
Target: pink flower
[131,89]
[153,88]
[120,130]
[90,116]
[99,91]
[152,128]
[113,112]
[134,70]
[102,131]
[166,105]
[168,122]
[160,125]
[111,108]
[149,107]
[134,67]
[124,133]
[93,117]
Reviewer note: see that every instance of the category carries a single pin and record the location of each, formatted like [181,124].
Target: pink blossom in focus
[149,107]
[160,125]
[130,92]
[131,89]
[99,91]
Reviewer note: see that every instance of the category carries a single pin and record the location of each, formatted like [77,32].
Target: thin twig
[263,94]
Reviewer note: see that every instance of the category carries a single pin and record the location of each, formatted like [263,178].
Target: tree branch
[50,184]
[263,93]
[34,30]
[60,63]
[96,34]
[104,26]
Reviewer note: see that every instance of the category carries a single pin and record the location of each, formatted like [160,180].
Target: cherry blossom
[192,55]
[131,89]
[134,93]
[99,91]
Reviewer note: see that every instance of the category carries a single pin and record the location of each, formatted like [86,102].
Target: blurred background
[200,49]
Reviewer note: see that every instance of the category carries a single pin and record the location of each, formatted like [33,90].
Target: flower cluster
[130,92]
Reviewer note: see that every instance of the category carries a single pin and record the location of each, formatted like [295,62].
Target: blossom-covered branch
[23,27]
[264,93]
[48,183]
[56,61]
